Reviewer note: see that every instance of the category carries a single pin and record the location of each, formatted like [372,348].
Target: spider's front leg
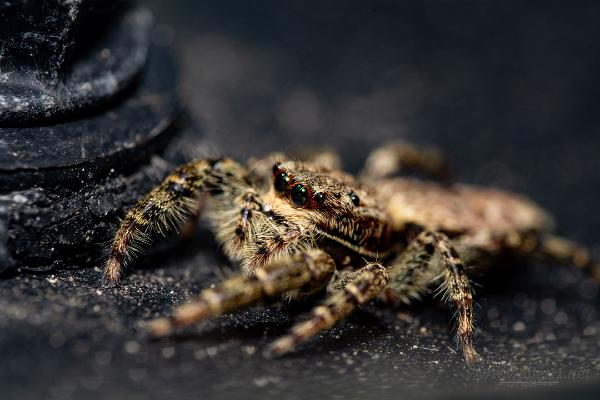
[302,273]
[355,290]
[413,272]
[398,157]
[168,205]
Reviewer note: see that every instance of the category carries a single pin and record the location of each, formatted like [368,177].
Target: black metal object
[61,57]
[84,98]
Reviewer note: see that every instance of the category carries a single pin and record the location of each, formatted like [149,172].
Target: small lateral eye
[319,198]
[355,199]
[282,182]
[276,167]
[299,195]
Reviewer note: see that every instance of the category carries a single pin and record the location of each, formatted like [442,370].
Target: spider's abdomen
[460,208]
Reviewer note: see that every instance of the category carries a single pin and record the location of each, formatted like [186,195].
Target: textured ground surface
[508,93]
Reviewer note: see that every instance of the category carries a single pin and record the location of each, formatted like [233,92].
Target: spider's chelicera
[304,228]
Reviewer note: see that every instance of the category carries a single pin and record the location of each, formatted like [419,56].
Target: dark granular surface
[507,90]
[66,336]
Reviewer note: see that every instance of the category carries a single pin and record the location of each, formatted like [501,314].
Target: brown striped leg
[301,273]
[363,286]
[567,252]
[399,157]
[413,272]
[554,248]
[458,290]
[250,203]
[169,205]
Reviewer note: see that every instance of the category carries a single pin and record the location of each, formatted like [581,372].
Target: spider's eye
[355,199]
[299,195]
[319,198]
[282,181]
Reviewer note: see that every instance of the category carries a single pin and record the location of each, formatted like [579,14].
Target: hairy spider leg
[302,273]
[170,204]
[568,252]
[549,247]
[361,287]
[399,157]
[413,272]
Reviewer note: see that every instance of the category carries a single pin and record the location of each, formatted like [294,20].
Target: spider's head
[332,204]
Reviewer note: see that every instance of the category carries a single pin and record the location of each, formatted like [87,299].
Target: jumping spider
[300,228]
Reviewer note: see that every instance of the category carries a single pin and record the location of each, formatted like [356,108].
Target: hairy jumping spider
[298,228]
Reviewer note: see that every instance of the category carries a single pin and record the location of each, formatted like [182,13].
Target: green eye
[282,181]
[299,195]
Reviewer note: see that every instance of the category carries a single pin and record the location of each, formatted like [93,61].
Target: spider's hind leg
[170,204]
[360,287]
[568,252]
[303,273]
[398,157]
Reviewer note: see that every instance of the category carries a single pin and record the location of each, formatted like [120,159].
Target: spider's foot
[472,358]
[112,271]
[185,315]
[161,327]
[280,347]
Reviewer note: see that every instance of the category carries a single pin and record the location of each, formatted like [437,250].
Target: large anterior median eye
[299,195]
[282,182]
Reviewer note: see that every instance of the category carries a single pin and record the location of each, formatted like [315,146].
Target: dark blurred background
[508,89]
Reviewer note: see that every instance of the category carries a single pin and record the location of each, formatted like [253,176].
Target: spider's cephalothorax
[298,227]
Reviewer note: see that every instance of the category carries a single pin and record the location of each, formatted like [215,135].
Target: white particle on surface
[132,347]
[561,318]
[519,326]
[103,357]
[249,350]
[548,306]
[85,87]
[211,351]
[19,198]
[168,352]
[589,331]
[137,374]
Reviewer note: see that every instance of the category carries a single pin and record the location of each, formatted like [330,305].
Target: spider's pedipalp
[304,272]
[249,204]
[363,286]
[167,206]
